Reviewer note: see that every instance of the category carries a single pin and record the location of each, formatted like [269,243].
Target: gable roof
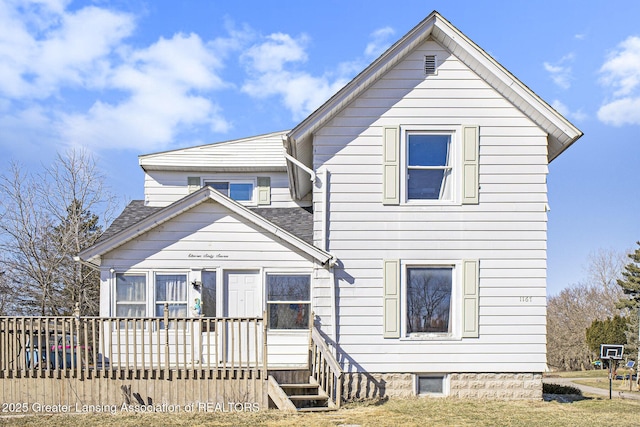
[229,156]
[138,219]
[561,132]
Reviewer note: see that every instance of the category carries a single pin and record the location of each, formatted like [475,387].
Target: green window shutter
[391,165]
[470,291]
[470,155]
[193,183]
[391,305]
[264,190]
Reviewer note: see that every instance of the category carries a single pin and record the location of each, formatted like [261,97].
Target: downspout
[325,246]
[325,240]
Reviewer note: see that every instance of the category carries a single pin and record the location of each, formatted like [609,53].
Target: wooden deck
[206,364]
[94,364]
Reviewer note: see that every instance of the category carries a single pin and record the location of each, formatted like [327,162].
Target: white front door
[243,298]
[242,294]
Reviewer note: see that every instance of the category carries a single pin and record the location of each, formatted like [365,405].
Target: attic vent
[429,65]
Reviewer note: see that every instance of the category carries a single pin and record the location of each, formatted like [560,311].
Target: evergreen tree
[610,331]
[79,284]
[630,284]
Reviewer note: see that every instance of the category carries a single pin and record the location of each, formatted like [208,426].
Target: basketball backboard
[611,351]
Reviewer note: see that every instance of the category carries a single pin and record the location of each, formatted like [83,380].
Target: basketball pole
[610,379]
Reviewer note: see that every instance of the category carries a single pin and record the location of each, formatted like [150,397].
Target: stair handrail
[325,369]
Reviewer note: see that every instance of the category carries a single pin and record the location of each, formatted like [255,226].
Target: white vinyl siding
[506,228]
[165,187]
[208,238]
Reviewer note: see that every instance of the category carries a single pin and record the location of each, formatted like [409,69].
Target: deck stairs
[300,397]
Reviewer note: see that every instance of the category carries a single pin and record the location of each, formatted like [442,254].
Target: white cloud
[139,97]
[577,115]
[278,50]
[625,111]
[71,50]
[164,82]
[622,68]
[560,71]
[380,42]
[272,65]
[621,72]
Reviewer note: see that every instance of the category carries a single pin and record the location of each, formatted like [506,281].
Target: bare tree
[572,311]
[30,259]
[75,193]
[45,220]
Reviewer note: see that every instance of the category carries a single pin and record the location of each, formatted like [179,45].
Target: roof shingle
[297,221]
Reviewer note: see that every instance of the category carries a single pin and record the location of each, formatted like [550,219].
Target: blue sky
[123,78]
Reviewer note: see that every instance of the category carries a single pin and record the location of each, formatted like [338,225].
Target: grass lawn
[592,373]
[395,412]
[603,383]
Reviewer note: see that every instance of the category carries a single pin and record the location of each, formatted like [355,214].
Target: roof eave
[445,33]
[359,83]
[509,86]
[94,253]
[209,168]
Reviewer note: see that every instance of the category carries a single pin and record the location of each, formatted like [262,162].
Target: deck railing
[77,346]
[325,369]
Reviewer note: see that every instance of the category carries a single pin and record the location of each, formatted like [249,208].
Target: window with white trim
[288,301]
[425,299]
[131,295]
[172,290]
[429,166]
[241,191]
[428,300]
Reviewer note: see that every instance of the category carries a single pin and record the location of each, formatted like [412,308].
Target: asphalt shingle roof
[297,221]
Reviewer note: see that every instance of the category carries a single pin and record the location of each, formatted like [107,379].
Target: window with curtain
[288,300]
[171,289]
[131,295]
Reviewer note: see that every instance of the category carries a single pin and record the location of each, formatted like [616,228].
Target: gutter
[295,161]
[86,263]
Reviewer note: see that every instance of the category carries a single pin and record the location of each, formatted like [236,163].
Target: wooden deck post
[264,345]
[166,340]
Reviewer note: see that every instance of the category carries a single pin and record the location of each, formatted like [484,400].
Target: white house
[408,214]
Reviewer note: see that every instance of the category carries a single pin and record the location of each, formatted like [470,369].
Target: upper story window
[429,166]
[423,165]
[241,191]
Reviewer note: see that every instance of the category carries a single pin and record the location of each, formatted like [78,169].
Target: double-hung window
[241,191]
[429,166]
[429,300]
[288,300]
[131,295]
